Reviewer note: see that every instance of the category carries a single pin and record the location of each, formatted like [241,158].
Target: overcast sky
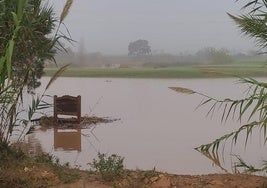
[175,26]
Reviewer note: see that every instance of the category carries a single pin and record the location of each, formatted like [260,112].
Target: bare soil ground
[20,172]
[176,181]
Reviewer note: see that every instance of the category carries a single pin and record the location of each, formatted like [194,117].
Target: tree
[139,47]
[214,56]
[254,25]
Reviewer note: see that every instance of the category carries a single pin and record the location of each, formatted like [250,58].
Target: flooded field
[157,127]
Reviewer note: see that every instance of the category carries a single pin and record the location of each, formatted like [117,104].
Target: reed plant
[25,26]
[253,107]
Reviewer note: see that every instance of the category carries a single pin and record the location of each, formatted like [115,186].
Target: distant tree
[214,56]
[221,56]
[139,47]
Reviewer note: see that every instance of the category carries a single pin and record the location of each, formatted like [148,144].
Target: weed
[63,172]
[109,167]
[7,154]
[150,173]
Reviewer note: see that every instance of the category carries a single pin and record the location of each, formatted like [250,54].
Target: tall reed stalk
[12,86]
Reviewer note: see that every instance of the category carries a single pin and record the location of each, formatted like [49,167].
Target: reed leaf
[9,56]
[204,102]
[21,5]
[248,104]
[261,99]
[230,109]
[247,168]
[211,110]
[224,112]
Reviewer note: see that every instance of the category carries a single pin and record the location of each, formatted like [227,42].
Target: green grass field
[245,69]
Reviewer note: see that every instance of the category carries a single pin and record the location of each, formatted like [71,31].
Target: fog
[170,26]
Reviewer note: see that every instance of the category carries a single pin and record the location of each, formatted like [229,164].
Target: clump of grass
[9,154]
[109,167]
[63,172]
[43,170]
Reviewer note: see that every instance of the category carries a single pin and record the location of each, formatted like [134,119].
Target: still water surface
[157,128]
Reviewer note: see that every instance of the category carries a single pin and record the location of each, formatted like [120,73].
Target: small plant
[150,173]
[109,167]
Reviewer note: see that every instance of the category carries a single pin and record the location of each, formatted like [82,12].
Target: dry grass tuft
[182,90]
[66,10]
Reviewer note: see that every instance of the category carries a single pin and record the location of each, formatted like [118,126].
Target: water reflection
[67,139]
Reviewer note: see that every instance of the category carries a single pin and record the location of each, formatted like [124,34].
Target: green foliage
[150,173]
[109,167]
[214,56]
[25,44]
[247,168]
[63,172]
[8,153]
[31,30]
[9,95]
[254,105]
[245,69]
[253,24]
[139,48]
[19,170]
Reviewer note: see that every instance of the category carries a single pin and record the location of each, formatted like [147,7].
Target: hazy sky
[175,26]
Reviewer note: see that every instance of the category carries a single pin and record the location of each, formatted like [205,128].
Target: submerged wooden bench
[67,105]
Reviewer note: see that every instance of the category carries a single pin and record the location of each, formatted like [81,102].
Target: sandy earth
[179,181]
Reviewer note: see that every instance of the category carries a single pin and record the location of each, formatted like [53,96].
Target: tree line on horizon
[144,56]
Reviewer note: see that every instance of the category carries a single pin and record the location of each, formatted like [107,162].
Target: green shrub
[109,167]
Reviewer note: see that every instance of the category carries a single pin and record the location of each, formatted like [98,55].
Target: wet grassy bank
[244,69]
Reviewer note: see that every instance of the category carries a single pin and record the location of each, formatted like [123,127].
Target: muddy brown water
[158,128]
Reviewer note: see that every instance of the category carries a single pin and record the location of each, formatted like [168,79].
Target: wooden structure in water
[68,106]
